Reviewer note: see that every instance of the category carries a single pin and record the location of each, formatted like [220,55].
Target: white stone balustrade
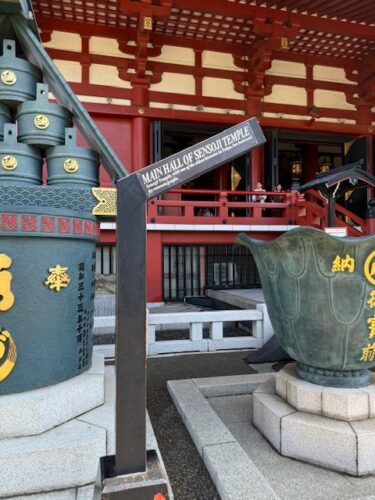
[196,321]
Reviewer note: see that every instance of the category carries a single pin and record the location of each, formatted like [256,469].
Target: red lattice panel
[310,42]
[362,11]
[211,27]
[102,12]
[197,25]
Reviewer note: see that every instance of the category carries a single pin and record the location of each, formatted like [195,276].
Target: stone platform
[217,413]
[331,427]
[51,439]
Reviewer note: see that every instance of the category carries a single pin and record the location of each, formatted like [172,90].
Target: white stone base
[35,412]
[330,427]
[62,462]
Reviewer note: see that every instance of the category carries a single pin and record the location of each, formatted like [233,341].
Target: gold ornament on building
[58,278]
[71,165]
[141,111]
[284,43]
[107,201]
[8,351]
[147,23]
[8,77]
[9,162]
[41,122]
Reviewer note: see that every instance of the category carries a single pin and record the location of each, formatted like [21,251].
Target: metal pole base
[147,485]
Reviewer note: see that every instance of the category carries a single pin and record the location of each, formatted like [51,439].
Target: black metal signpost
[133,473]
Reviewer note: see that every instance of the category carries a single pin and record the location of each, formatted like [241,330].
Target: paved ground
[187,473]
[290,479]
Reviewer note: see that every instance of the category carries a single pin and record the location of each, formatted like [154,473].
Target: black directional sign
[200,158]
[133,192]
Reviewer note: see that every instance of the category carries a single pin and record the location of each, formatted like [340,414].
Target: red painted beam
[292,109]
[334,62]
[159,67]
[107,110]
[226,8]
[159,11]
[87,29]
[358,9]
[314,84]
[316,4]
[229,74]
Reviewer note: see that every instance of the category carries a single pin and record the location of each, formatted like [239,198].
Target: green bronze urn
[320,296]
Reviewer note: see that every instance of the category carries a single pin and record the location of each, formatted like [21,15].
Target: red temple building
[158,76]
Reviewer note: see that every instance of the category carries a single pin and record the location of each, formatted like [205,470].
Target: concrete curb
[235,475]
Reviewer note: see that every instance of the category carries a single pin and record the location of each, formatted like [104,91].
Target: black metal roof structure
[340,179]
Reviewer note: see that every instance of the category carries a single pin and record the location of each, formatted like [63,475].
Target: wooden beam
[87,29]
[360,8]
[316,23]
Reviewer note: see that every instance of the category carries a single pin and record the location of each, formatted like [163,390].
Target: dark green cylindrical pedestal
[51,252]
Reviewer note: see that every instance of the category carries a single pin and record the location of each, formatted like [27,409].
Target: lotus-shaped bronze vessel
[320,295]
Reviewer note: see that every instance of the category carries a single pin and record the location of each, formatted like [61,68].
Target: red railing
[182,206]
[197,206]
[312,211]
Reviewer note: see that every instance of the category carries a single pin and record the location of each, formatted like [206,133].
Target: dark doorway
[315,153]
[170,137]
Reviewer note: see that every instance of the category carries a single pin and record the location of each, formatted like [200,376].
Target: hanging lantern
[325,165]
[296,168]
[296,171]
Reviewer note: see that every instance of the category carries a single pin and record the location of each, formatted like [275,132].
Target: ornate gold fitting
[8,77]
[107,198]
[71,165]
[147,23]
[41,121]
[9,162]
[284,43]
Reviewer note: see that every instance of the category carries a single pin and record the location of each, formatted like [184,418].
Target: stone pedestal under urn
[327,426]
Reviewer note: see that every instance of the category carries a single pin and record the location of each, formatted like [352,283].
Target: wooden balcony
[183,206]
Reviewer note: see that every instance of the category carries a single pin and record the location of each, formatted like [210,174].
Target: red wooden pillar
[364,115]
[310,162]
[154,267]
[256,172]
[85,59]
[140,143]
